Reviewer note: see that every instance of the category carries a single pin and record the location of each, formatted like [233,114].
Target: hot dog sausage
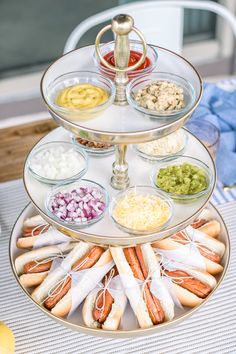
[87,261]
[194,285]
[156,315]
[34,231]
[104,302]
[159,309]
[204,250]
[34,267]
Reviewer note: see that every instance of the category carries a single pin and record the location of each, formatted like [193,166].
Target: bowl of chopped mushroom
[160,95]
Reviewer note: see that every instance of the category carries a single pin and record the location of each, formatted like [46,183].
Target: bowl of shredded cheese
[141,210]
[169,146]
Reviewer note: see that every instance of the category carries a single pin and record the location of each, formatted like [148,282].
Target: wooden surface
[15,144]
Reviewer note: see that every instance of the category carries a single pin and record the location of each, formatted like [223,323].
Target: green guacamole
[182,179]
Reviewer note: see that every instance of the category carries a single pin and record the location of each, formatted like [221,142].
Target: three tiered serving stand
[121,125]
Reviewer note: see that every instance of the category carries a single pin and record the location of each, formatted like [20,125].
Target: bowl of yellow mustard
[80,95]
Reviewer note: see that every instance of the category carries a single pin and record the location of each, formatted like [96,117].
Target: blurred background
[33,34]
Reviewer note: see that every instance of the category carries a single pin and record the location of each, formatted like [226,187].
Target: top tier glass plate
[122,124]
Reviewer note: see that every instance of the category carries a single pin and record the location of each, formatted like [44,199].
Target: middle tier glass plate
[100,170]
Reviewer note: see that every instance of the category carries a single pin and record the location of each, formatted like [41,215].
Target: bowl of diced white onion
[57,162]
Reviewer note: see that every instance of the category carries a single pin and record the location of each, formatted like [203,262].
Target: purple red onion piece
[79,206]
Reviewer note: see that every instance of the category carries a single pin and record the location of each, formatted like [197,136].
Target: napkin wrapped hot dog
[38,233]
[151,302]
[193,247]
[69,283]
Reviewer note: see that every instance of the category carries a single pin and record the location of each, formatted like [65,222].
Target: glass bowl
[134,46]
[59,146]
[140,82]
[142,191]
[207,132]
[92,150]
[179,161]
[74,78]
[154,158]
[81,222]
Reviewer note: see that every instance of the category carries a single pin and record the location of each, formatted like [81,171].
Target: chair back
[160,21]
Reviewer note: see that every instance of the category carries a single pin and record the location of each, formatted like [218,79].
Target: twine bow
[49,259]
[57,288]
[191,239]
[104,288]
[164,263]
[45,226]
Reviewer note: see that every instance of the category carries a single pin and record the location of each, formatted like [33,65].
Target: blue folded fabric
[219,107]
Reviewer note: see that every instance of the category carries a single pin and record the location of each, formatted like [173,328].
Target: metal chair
[160,21]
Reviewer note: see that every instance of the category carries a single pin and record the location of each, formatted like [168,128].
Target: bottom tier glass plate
[129,322]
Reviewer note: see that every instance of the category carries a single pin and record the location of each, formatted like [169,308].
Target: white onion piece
[57,163]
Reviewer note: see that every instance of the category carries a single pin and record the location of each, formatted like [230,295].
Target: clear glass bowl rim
[56,181]
[57,188]
[164,196]
[93,75]
[161,157]
[175,162]
[169,76]
[133,72]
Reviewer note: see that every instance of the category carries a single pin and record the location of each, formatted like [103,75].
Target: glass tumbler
[208,133]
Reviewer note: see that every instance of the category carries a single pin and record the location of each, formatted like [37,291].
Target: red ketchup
[133,59]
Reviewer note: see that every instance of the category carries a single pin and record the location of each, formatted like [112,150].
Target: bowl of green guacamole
[184,179]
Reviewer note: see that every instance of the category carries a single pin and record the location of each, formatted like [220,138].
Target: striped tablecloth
[221,196]
[210,330]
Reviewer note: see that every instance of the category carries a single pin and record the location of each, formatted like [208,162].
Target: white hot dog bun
[51,236]
[34,221]
[32,279]
[211,228]
[84,286]
[41,292]
[205,215]
[26,242]
[134,291]
[152,266]
[41,253]
[186,297]
[113,319]
[211,243]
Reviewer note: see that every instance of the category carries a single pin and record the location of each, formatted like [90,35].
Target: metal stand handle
[121,26]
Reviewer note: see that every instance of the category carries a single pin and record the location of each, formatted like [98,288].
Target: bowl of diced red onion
[78,204]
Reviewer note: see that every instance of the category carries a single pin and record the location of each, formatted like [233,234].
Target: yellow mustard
[82,96]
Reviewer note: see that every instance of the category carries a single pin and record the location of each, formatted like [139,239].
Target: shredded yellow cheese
[141,212]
